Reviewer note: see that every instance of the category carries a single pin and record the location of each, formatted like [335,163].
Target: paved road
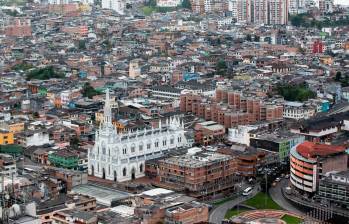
[276,194]
[217,215]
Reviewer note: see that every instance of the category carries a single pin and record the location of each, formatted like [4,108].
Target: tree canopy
[295,92]
[89,91]
[44,74]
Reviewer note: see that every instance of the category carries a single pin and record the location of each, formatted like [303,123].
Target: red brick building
[200,175]
[208,132]
[231,108]
[318,47]
[19,28]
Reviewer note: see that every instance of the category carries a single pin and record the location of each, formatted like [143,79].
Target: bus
[247,191]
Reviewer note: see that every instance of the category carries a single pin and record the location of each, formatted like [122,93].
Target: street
[217,215]
[276,194]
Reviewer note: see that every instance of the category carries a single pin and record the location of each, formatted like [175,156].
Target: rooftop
[312,150]
[103,195]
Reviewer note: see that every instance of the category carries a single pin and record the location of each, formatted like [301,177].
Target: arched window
[140,147]
[124,172]
[156,144]
[141,168]
[172,140]
[164,142]
[124,150]
[133,148]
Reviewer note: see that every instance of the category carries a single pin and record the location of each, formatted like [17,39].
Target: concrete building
[334,188]
[273,12]
[278,12]
[201,174]
[134,70]
[116,5]
[7,165]
[280,142]
[187,213]
[310,162]
[208,132]
[297,111]
[231,108]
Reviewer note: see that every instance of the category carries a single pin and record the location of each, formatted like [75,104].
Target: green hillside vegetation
[295,92]
[44,74]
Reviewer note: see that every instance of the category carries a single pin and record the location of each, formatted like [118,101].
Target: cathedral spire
[107,109]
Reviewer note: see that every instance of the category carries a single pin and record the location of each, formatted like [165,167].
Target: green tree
[221,67]
[295,92]
[89,91]
[186,4]
[82,44]
[338,76]
[74,142]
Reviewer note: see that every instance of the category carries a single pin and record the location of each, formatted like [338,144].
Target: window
[140,148]
[133,148]
[164,142]
[179,139]
[156,144]
[141,168]
[148,146]
[124,150]
[124,172]
[172,141]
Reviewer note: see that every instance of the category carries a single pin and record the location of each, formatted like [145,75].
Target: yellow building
[16,127]
[6,138]
[327,60]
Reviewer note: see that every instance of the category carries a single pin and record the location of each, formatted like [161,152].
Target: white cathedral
[121,157]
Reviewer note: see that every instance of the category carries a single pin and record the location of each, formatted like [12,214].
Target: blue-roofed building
[190,76]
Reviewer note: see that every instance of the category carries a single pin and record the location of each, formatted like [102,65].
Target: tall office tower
[243,8]
[116,5]
[326,6]
[62,2]
[259,11]
[278,12]
[232,7]
[294,6]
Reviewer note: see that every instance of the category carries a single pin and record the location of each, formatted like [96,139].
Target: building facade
[121,157]
[335,188]
[115,5]
[310,162]
[201,174]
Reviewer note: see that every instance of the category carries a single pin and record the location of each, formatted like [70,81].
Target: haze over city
[174,111]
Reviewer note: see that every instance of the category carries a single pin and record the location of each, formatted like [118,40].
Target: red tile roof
[311,150]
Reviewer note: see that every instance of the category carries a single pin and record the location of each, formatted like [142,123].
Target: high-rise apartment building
[243,8]
[278,12]
[274,12]
[259,11]
[116,5]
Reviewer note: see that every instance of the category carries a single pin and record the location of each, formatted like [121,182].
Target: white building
[121,157]
[34,138]
[116,5]
[8,165]
[168,3]
[61,2]
[297,111]
[241,134]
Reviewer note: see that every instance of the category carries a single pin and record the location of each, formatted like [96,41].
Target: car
[247,191]
[278,179]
